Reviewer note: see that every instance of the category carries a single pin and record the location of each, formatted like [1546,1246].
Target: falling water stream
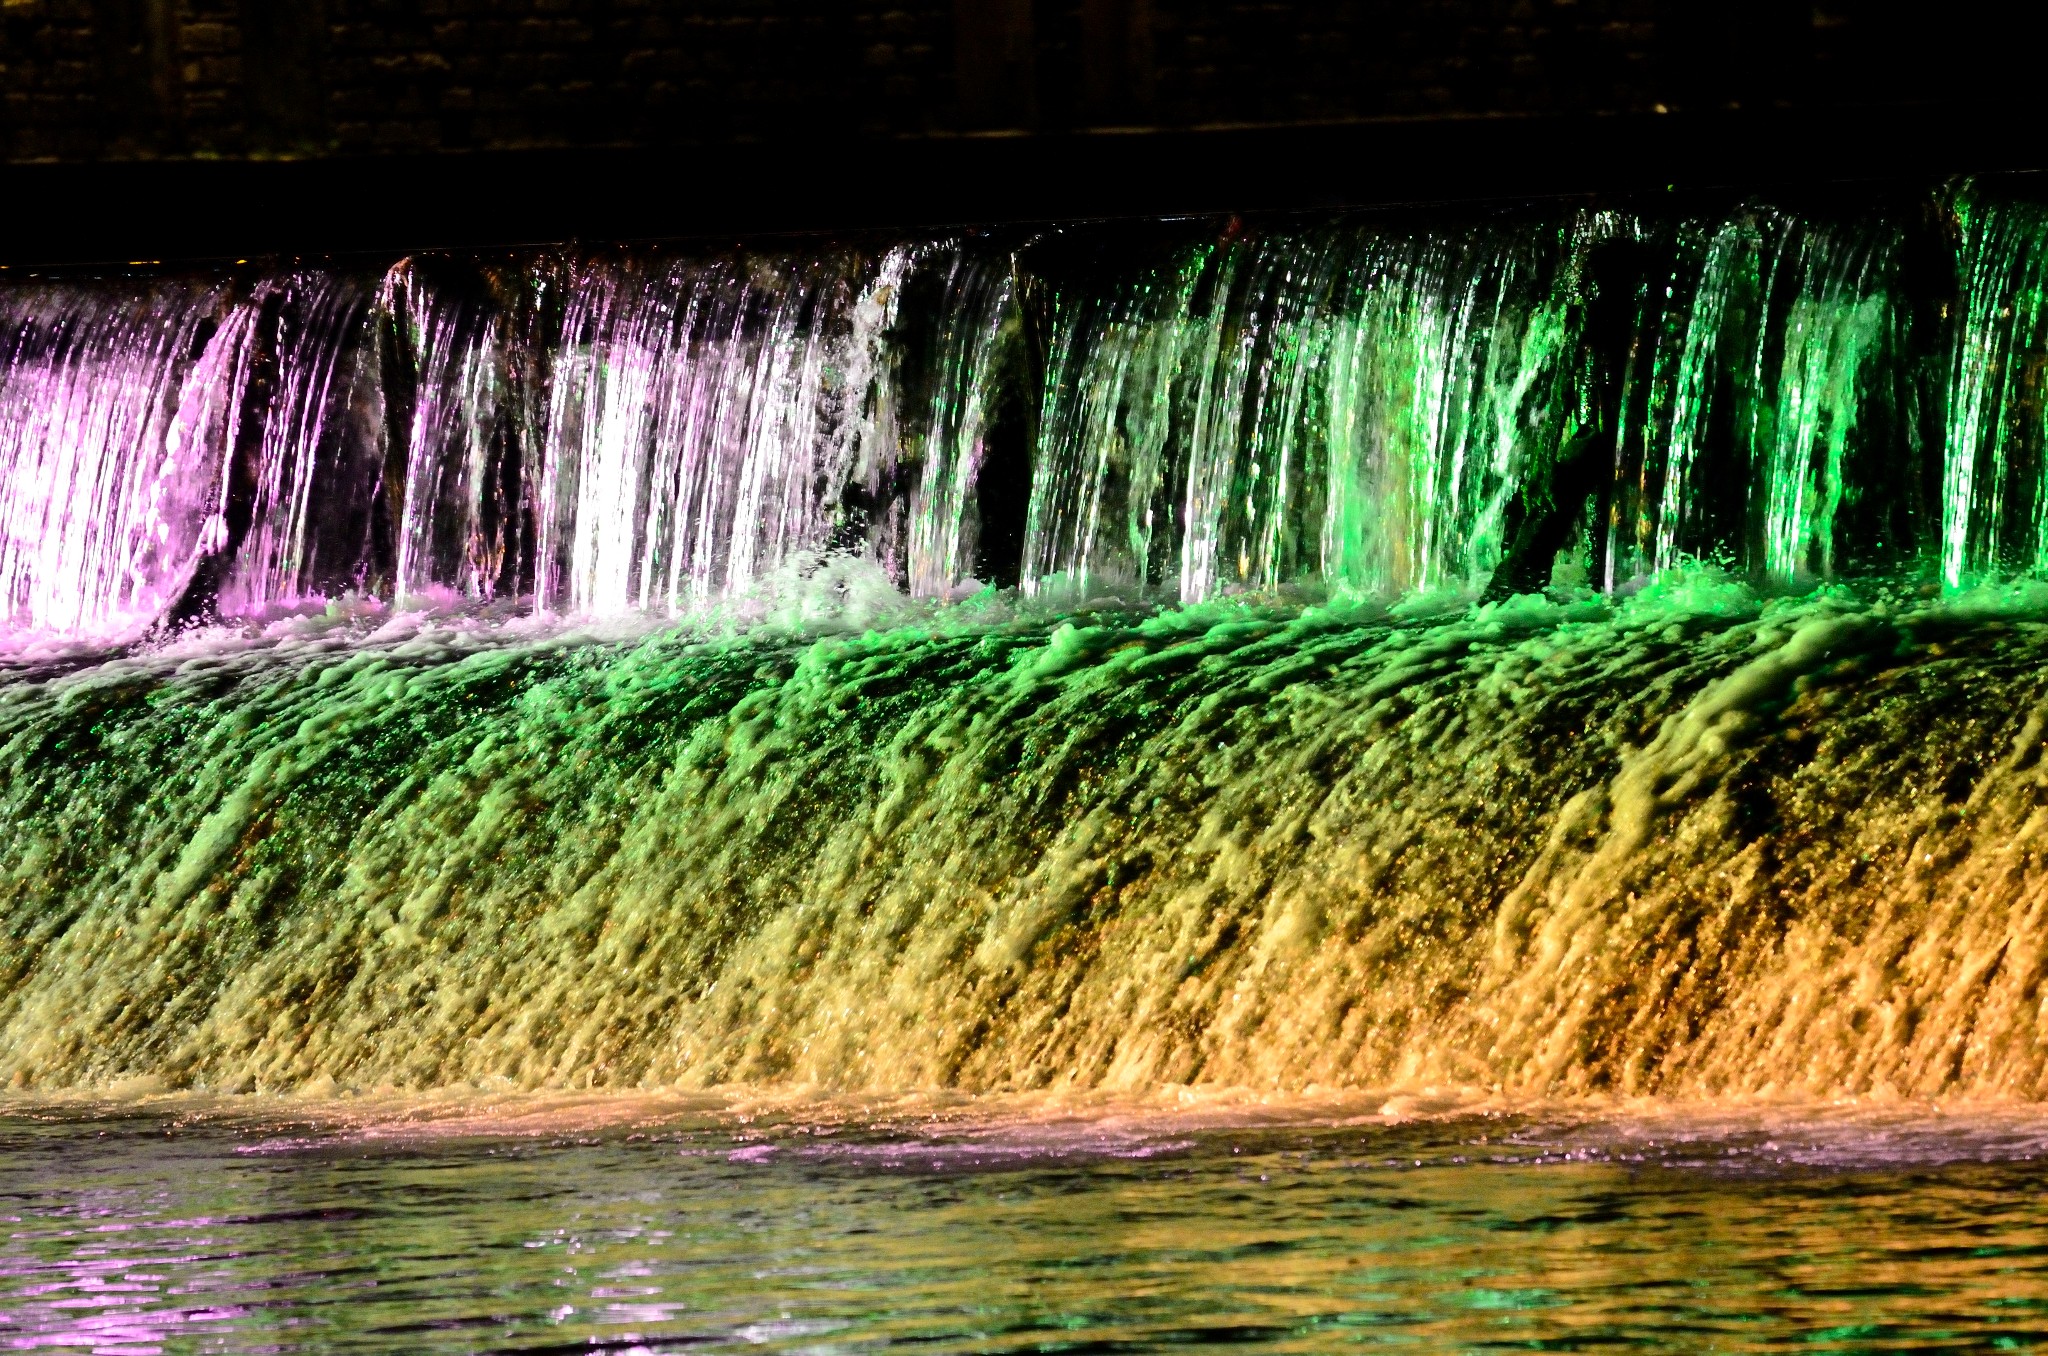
[1226,724]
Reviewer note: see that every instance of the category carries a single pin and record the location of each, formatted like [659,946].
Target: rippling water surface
[174,1230]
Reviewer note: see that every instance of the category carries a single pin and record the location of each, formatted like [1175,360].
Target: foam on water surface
[1696,842]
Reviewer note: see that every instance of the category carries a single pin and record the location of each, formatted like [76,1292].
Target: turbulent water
[1546,653]
[1677,844]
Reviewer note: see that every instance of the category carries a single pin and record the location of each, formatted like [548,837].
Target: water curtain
[1371,408]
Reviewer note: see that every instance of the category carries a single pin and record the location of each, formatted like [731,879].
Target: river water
[959,1226]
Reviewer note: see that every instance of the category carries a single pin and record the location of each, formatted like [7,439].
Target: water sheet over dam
[1553,651]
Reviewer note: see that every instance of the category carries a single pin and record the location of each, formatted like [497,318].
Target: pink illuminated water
[590,435]
[117,411]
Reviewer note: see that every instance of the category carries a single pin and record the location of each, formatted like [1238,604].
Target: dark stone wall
[124,79]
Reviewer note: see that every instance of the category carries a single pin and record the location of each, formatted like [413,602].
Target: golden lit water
[158,1229]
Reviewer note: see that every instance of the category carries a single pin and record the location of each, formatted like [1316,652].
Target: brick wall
[90,79]
[50,81]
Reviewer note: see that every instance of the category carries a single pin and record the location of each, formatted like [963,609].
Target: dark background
[223,126]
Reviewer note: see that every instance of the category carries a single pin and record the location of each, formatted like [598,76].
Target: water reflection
[147,1234]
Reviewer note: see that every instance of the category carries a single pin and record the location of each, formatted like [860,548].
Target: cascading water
[1597,650]
[119,409]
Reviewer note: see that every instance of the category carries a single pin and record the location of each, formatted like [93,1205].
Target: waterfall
[1349,408]
[310,484]
[1771,347]
[1993,500]
[1372,407]
[1549,649]
[117,413]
